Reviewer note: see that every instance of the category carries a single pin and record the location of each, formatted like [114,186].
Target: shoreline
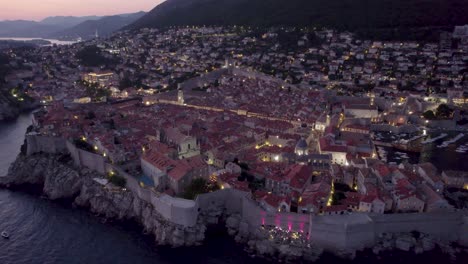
[60,181]
[216,235]
[51,41]
[84,192]
[16,111]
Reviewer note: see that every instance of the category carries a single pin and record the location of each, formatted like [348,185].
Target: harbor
[445,149]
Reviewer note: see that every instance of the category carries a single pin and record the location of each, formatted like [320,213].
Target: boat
[407,146]
[451,141]
[5,235]
[441,136]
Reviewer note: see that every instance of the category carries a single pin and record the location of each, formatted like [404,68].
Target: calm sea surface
[45,232]
[53,41]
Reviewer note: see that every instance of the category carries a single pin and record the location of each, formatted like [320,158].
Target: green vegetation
[96,92]
[4,68]
[257,184]
[337,197]
[90,115]
[429,115]
[339,192]
[443,111]
[199,186]
[15,97]
[126,82]
[377,19]
[118,180]
[341,187]
[81,144]
[92,56]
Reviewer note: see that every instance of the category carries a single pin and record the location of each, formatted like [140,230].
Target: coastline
[55,177]
[9,112]
[60,181]
[51,41]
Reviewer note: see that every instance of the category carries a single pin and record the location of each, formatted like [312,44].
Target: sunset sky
[39,9]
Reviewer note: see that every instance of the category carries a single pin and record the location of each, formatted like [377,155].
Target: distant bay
[52,41]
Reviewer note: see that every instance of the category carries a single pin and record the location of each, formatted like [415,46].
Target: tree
[198,186]
[443,111]
[4,67]
[125,82]
[91,56]
[244,166]
[257,184]
[429,115]
[90,115]
[118,180]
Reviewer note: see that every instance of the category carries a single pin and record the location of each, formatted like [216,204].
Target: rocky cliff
[11,107]
[7,110]
[60,180]
[272,242]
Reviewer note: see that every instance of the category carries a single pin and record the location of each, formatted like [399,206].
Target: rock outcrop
[60,180]
[272,242]
[119,204]
[413,242]
[10,108]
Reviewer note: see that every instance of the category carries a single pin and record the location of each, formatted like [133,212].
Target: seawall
[179,211]
[60,179]
[185,220]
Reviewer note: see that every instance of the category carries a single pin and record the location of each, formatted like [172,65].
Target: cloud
[39,9]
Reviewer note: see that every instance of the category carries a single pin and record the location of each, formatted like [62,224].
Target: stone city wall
[446,226]
[335,232]
[176,210]
[342,232]
[46,144]
[360,230]
[255,216]
[229,199]
[183,212]
[87,159]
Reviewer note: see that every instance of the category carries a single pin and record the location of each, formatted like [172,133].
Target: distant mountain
[67,27]
[381,18]
[23,28]
[104,26]
[43,28]
[67,21]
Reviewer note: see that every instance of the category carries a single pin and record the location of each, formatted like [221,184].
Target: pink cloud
[39,9]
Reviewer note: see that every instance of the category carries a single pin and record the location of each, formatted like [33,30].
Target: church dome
[301,144]
[301,148]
